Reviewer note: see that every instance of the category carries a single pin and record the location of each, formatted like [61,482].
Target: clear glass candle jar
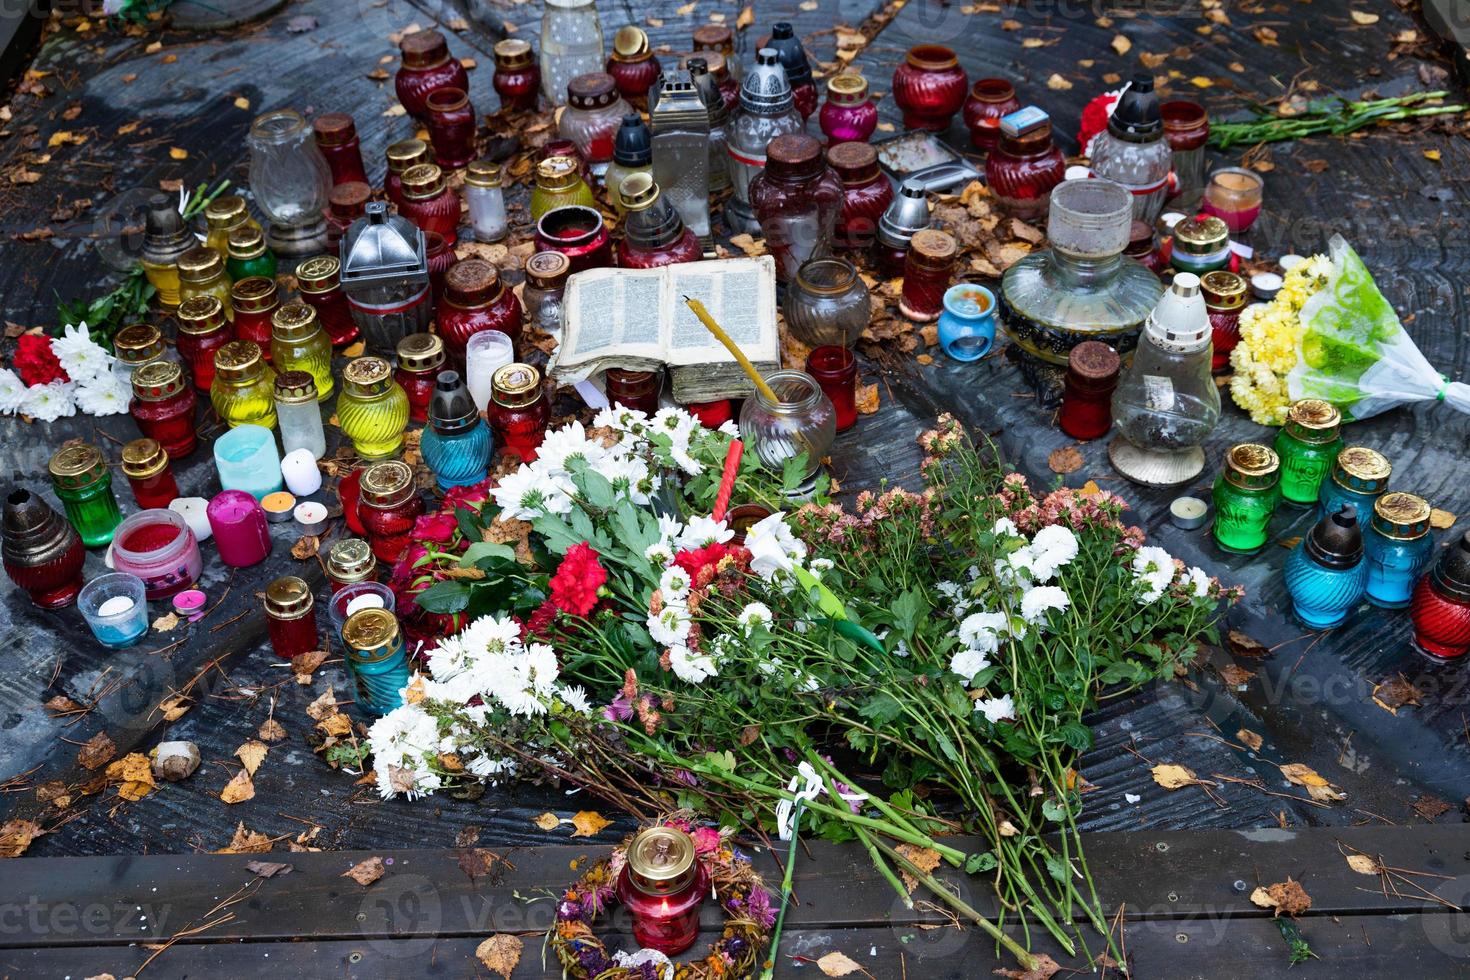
[766,111]
[577,232]
[1087,401]
[290,617]
[1200,245]
[1397,547]
[474,300]
[866,194]
[1441,604]
[637,390]
[835,370]
[115,609]
[486,353]
[989,101]
[289,180]
[163,406]
[348,202]
[849,114]
[929,86]
[299,414]
[375,653]
[244,386]
[426,68]
[653,233]
[827,304]
[223,215]
[558,183]
[246,459]
[803,423]
[486,201]
[356,596]
[1187,130]
[373,408]
[517,78]
[593,114]
[1245,497]
[389,505]
[298,343]
[203,330]
[145,464]
[420,358]
[571,45]
[662,885]
[798,68]
[633,66]
[43,554]
[1359,476]
[256,300]
[318,279]
[401,157]
[1225,296]
[83,484]
[451,127]
[519,411]
[239,529]
[1025,166]
[797,200]
[336,137]
[1234,196]
[1308,445]
[926,274]
[429,203]
[158,547]
[165,239]
[202,273]
[541,296]
[349,561]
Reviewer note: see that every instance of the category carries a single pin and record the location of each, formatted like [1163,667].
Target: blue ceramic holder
[967,325]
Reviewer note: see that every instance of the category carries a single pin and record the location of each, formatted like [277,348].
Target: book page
[741,296]
[611,313]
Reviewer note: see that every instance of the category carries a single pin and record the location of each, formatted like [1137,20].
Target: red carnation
[694,559]
[35,362]
[577,579]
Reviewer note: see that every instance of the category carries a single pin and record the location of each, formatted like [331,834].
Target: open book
[636,320]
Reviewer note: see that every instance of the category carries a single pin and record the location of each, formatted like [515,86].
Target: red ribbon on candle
[727,478]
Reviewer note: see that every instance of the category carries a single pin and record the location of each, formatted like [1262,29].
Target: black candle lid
[1337,541]
[1452,572]
[1137,118]
[793,55]
[451,409]
[633,144]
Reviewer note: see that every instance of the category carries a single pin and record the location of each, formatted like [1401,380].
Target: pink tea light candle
[1234,195]
[240,528]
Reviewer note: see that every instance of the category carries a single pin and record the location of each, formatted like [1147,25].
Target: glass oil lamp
[1397,548]
[802,422]
[43,554]
[591,119]
[653,233]
[1225,295]
[319,283]
[1200,245]
[299,413]
[519,411]
[429,203]
[633,66]
[542,294]
[451,126]
[989,101]
[559,182]
[420,357]
[927,271]
[789,49]
[349,561]
[373,408]
[1082,288]
[827,304]
[375,653]
[256,299]
[336,137]
[475,299]
[1187,130]
[165,240]
[146,465]
[223,215]
[1132,151]
[486,201]
[1234,196]
[1087,399]
[835,370]
[638,390]
[244,386]
[719,120]
[680,125]
[426,68]
[289,180]
[718,39]
[163,406]
[384,270]
[1246,494]
[83,483]
[238,526]
[579,233]
[1441,604]
[908,214]
[248,255]
[1325,574]
[967,324]
[202,330]
[866,194]
[402,156]
[1025,165]
[929,86]
[388,507]
[1308,445]
[1167,402]
[797,199]
[298,343]
[766,112]
[517,78]
[202,273]
[134,346]
[158,547]
[849,114]
[571,45]
[456,444]
[632,154]
[1359,476]
[662,885]
[347,204]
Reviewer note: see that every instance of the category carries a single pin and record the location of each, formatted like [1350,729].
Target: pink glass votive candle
[240,528]
[1234,196]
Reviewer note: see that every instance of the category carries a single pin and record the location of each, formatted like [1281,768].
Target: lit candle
[663,885]
[302,476]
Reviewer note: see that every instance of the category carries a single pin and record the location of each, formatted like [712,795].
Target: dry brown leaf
[336,724]
[837,964]
[269,869]
[366,872]
[247,842]
[547,821]
[1362,17]
[1057,83]
[1363,864]
[16,836]
[926,859]
[303,665]
[96,751]
[252,754]
[1011,25]
[242,103]
[1430,807]
[866,399]
[500,954]
[1441,519]
[1045,969]
[1150,59]
[1432,155]
[134,775]
[1285,896]
[588,823]
[1064,460]
[1121,44]
[1394,693]
[271,731]
[1249,739]
[686,9]
[1266,36]
[174,707]
[166,622]
[1236,676]
[238,789]
[1200,81]
[1171,776]
[1317,788]
[1244,646]
[306,547]
[746,18]
[178,153]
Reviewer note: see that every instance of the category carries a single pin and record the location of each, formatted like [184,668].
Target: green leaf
[1075,735]
[980,863]
[881,709]
[724,761]
[444,597]
[1057,867]
[486,549]
[469,526]
[908,609]
[1052,812]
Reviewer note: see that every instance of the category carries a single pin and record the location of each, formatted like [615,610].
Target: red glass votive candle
[518,410]
[255,299]
[1087,396]
[835,369]
[145,464]
[637,390]
[319,281]
[159,548]
[441,259]
[866,194]
[926,273]
[517,77]
[662,885]
[1225,295]
[426,67]
[163,406]
[345,204]
[429,203]
[388,507]
[929,87]
[633,65]
[451,127]
[475,299]
[43,554]
[712,415]
[402,157]
[578,232]
[290,617]
[238,525]
[349,494]
[203,330]
[420,357]
[1440,607]
[1025,165]
[989,100]
[336,137]
[1234,196]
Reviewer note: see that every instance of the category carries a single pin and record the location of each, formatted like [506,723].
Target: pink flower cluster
[1077,509]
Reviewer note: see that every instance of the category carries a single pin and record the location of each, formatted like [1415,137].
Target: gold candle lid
[350,560]
[157,381]
[255,294]
[288,597]
[1400,515]
[483,173]
[515,385]
[557,173]
[420,352]
[548,270]
[405,154]
[143,458]
[387,483]
[201,264]
[1203,235]
[319,274]
[630,43]
[368,376]
[200,315]
[661,861]
[295,387]
[238,362]
[246,242]
[293,323]
[1223,291]
[371,634]
[1313,420]
[1252,467]
[422,181]
[137,343]
[1362,470]
[512,54]
[638,191]
[225,212]
[76,466]
[847,88]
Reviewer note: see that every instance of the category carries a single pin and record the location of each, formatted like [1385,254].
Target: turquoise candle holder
[1326,575]
[247,460]
[115,606]
[967,325]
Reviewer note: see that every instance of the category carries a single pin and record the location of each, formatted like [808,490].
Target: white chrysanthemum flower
[403,741]
[982,631]
[575,698]
[754,614]
[1198,581]
[968,663]
[489,766]
[522,703]
[105,394]
[629,477]
[730,428]
[490,634]
[1053,547]
[996,709]
[953,591]
[674,583]
[12,391]
[671,626]
[680,455]
[80,357]
[690,667]
[532,491]
[1007,527]
[622,418]
[1153,570]
[675,422]
[819,565]
[659,554]
[669,527]
[702,531]
[563,446]
[47,403]
[1042,599]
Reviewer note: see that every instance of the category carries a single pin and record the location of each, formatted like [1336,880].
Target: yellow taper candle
[709,324]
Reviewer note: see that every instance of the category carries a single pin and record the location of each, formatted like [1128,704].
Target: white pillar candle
[302,476]
[192,510]
[485,352]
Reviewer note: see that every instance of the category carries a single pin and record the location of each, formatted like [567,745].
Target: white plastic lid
[1180,322]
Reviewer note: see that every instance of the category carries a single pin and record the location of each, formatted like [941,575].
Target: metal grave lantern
[385,273]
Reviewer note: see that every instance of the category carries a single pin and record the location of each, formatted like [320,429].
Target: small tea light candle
[1077,172]
[195,512]
[190,604]
[278,506]
[1288,262]
[302,476]
[116,606]
[1265,285]
[1234,195]
[367,600]
[1188,512]
[312,516]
